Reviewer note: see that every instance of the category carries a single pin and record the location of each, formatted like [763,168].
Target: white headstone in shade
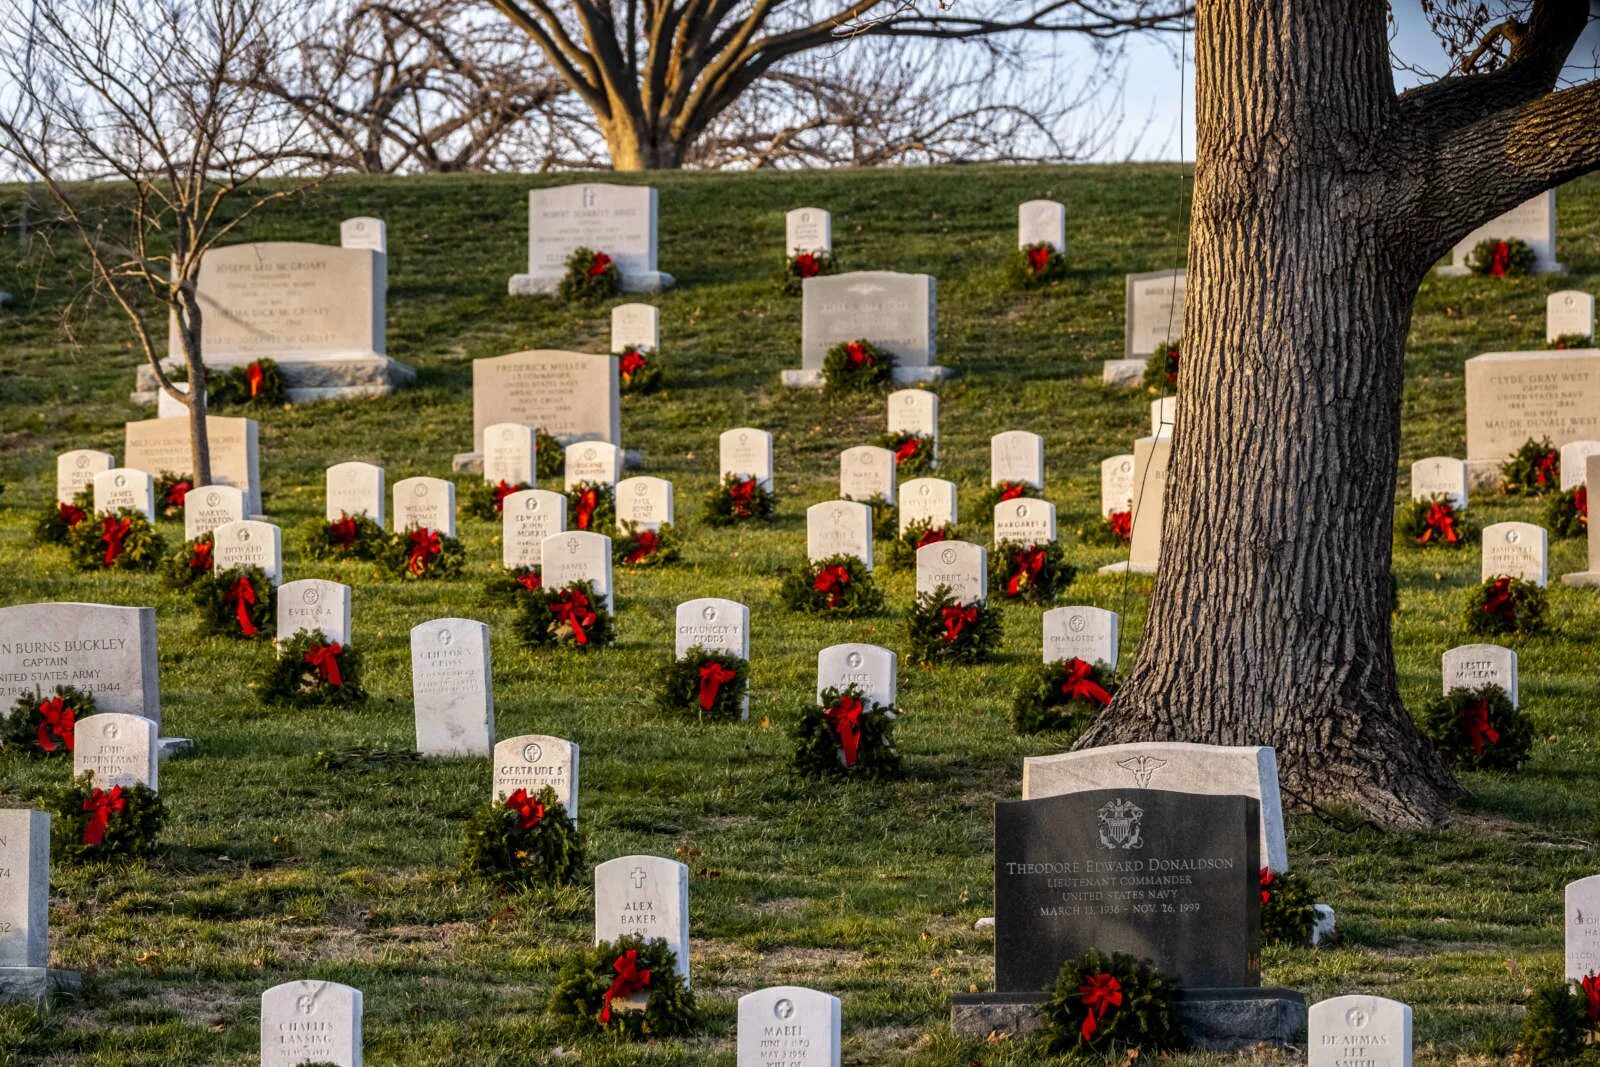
[1532,222]
[1574,459]
[872,669]
[205,507]
[1163,416]
[645,502]
[960,567]
[807,229]
[1359,1031]
[157,445]
[1079,632]
[746,452]
[124,487]
[526,519]
[1583,928]
[839,528]
[714,624]
[1017,456]
[425,503]
[535,762]
[510,454]
[1440,476]
[117,749]
[618,220]
[1591,575]
[896,312]
[451,688]
[1475,666]
[1151,458]
[595,462]
[578,556]
[788,1026]
[311,1022]
[106,650]
[1042,222]
[1516,550]
[1154,311]
[169,406]
[866,471]
[1180,766]
[933,499]
[314,604]
[1116,484]
[24,888]
[354,489]
[366,232]
[915,411]
[635,325]
[1569,313]
[647,896]
[248,543]
[1024,521]
[76,469]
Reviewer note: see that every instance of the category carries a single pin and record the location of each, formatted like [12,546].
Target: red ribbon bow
[1441,520]
[1079,684]
[530,581]
[598,265]
[178,494]
[200,556]
[1501,601]
[58,723]
[1591,996]
[1012,490]
[1024,569]
[1100,994]
[1266,880]
[343,531]
[857,353]
[529,809]
[113,531]
[713,676]
[1580,500]
[500,492]
[256,376]
[630,980]
[845,718]
[1475,720]
[325,659]
[906,449]
[645,544]
[742,496]
[242,595]
[586,505]
[831,580]
[956,618]
[100,805]
[70,514]
[807,265]
[425,544]
[1121,523]
[1172,365]
[573,610]
[1501,259]
[632,363]
[1544,468]
[1038,259]
[931,536]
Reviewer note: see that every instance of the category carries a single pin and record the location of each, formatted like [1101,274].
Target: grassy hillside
[274,870]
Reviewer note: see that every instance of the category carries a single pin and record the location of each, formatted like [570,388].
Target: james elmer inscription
[1164,876]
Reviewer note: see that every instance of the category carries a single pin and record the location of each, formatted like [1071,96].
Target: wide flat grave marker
[1514,396]
[103,649]
[894,311]
[572,396]
[1533,221]
[157,445]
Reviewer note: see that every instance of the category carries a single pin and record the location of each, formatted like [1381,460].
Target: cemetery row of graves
[812,632]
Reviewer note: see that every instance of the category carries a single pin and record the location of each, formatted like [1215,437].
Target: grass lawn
[271,869]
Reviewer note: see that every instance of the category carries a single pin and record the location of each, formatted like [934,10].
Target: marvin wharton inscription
[1164,876]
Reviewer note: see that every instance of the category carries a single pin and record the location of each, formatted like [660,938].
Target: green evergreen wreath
[918,532]
[516,841]
[510,586]
[638,548]
[347,537]
[573,615]
[802,265]
[1566,514]
[1002,491]
[857,366]
[710,684]
[418,554]
[44,725]
[591,277]
[238,602]
[171,490]
[1113,530]
[1038,264]
[1558,1029]
[592,507]
[1503,605]
[486,500]
[191,562]
[738,499]
[1435,523]
[913,452]
[125,541]
[884,521]
[55,523]
[1533,470]
[945,631]
[1288,908]
[638,369]
[1496,258]
[839,585]
[258,383]
[1570,340]
[578,1002]
[92,824]
[310,671]
[1033,573]
[1478,729]
[841,718]
[1081,1017]
[549,456]
[1161,369]
[1065,695]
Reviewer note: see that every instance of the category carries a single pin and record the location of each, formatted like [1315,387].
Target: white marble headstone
[933,499]
[746,452]
[1116,484]
[1042,221]
[534,762]
[124,487]
[866,471]
[205,507]
[1024,521]
[644,895]
[1574,458]
[1568,313]
[618,220]
[714,624]
[645,502]
[1440,476]
[1359,1031]
[364,231]
[510,454]
[636,325]
[595,462]
[311,1022]
[572,396]
[788,1026]
[103,649]
[426,503]
[915,411]
[24,888]
[839,528]
[1583,928]
[1151,458]
[526,519]
[1154,311]
[1078,632]
[1475,666]
[451,688]
[808,229]
[1533,221]
[1163,416]
[872,669]
[959,566]
[248,543]
[1017,456]
[116,749]
[354,488]
[77,469]
[314,604]
[578,556]
[1517,550]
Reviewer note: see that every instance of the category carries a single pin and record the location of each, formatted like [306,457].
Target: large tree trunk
[636,145]
[1270,622]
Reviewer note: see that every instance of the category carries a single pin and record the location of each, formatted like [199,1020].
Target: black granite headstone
[1173,878]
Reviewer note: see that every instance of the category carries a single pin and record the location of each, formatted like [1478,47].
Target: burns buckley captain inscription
[1169,877]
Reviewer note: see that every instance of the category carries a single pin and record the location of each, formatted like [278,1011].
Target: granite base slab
[472,462]
[35,985]
[1123,373]
[1217,1020]
[812,379]
[305,381]
[1581,578]
[643,281]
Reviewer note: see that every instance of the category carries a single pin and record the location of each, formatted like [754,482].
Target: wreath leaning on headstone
[1570,340]
[1478,729]
[738,499]
[711,684]
[1567,512]
[913,452]
[857,366]
[943,630]
[517,840]
[487,500]
[885,522]
[190,563]
[258,383]
[592,506]
[802,265]
[42,725]
[592,979]
[918,532]
[1033,573]
[638,369]
[1533,470]
[1161,369]
[171,492]
[91,823]
[1114,528]
[311,671]
[510,585]
[419,554]
[1002,491]
[637,547]
[1435,523]
[1102,1003]
[121,540]
[574,615]
[238,602]
[591,277]
[1497,259]
[838,585]
[55,523]
[1288,908]
[1562,1024]
[1038,264]
[1065,695]
[845,733]
[347,537]
[1504,605]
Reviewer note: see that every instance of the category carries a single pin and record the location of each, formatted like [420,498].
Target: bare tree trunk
[1270,620]
[633,146]
[187,321]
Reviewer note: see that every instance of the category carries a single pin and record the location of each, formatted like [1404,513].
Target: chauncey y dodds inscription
[1164,876]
